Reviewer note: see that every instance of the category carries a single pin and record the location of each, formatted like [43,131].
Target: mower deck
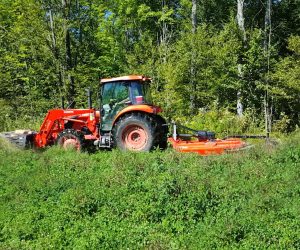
[208,147]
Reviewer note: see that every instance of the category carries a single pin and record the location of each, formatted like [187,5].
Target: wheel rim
[134,137]
[70,143]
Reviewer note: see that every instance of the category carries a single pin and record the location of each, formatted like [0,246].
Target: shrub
[160,200]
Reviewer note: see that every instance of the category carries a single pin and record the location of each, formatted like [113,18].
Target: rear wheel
[70,140]
[134,132]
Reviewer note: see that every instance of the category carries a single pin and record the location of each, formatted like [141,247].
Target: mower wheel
[134,132]
[70,139]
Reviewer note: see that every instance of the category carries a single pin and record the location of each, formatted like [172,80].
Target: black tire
[70,137]
[134,132]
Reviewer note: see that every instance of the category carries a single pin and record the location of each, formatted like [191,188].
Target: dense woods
[231,56]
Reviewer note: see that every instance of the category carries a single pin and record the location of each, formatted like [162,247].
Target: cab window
[115,96]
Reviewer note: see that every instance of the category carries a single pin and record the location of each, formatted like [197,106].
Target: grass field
[160,200]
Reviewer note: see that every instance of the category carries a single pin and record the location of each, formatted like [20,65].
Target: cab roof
[126,78]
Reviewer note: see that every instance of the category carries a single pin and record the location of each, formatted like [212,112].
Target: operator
[112,108]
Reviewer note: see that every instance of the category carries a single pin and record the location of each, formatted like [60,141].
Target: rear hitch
[199,134]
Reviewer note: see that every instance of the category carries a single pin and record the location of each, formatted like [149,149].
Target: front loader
[127,119]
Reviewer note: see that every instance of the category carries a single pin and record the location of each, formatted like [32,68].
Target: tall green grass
[160,200]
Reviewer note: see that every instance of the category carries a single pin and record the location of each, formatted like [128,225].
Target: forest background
[209,60]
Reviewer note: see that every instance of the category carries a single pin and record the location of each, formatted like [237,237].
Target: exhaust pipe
[89,95]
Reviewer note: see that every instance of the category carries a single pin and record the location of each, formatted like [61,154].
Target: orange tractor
[127,119]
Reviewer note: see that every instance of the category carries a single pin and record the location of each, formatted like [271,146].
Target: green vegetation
[160,200]
[50,49]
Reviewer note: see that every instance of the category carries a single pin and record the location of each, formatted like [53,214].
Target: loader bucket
[21,138]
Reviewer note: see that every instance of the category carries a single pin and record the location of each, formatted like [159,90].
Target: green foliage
[50,49]
[223,122]
[286,78]
[215,56]
[63,200]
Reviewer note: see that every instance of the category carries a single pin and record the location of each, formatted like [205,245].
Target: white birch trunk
[241,24]
[194,16]
[267,46]
[193,71]
[52,30]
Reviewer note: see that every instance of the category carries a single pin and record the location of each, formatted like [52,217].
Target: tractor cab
[121,92]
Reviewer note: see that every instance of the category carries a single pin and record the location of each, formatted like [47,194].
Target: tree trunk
[194,16]
[241,24]
[267,46]
[52,31]
[240,18]
[56,52]
[69,67]
[193,70]
[164,34]
[66,5]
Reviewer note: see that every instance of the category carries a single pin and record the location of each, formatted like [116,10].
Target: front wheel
[134,132]
[70,139]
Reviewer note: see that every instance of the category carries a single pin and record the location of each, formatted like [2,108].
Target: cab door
[115,97]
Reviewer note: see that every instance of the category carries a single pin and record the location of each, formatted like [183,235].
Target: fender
[150,109]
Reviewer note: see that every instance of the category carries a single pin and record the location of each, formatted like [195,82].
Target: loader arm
[55,120]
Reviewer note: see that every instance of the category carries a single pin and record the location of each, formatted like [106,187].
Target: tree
[26,70]
[241,25]
[196,54]
[286,87]
[193,73]
[267,49]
